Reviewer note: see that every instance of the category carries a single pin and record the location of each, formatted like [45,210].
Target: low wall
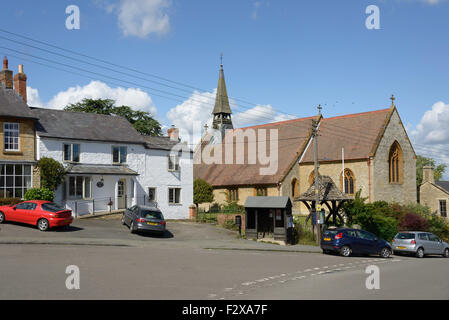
[223,217]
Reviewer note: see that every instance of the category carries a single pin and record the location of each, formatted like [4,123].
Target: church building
[367,151]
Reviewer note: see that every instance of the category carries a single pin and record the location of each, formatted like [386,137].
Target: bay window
[15,180]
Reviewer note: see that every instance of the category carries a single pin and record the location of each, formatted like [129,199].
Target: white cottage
[110,166]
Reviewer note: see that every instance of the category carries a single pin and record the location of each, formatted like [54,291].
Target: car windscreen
[52,207]
[405,236]
[148,214]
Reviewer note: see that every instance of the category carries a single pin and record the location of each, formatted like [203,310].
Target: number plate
[401,247]
[327,239]
[152,223]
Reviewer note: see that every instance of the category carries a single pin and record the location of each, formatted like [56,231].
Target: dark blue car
[347,241]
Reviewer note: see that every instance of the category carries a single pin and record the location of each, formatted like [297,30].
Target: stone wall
[404,192]
[429,195]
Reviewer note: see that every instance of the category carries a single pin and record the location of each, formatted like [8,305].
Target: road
[182,267]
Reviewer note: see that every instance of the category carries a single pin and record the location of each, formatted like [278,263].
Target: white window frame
[83,196]
[71,152]
[155,194]
[5,131]
[175,162]
[119,154]
[170,189]
[4,187]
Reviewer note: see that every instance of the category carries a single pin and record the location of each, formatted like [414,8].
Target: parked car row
[45,215]
[347,241]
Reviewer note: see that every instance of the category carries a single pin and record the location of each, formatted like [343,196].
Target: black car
[144,218]
[346,241]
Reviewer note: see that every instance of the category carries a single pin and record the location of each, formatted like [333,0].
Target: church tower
[222,111]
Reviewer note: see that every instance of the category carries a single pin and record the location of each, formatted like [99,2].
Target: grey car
[419,243]
[144,218]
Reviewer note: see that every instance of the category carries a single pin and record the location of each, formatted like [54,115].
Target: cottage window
[233,194]
[15,180]
[395,160]
[11,136]
[173,162]
[174,195]
[119,155]
[80,187]
[295,188]
[71,152]
[152,194]
[347,182]
[443,208]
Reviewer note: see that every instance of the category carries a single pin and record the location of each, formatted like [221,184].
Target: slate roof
[327,191]
[85,126]
[292,137]
[267,202]
[165,143]
[100,170]
[357,133]
[443,184]
[12,105]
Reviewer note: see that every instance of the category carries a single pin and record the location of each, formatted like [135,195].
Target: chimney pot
[173,133]
[20,83]
[5,63]
[6,75]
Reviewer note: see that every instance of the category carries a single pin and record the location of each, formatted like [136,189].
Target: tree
[142,121]
[423,161]
[52,173]
[202,192]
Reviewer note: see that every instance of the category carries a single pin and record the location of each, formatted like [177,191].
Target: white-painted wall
[150,164]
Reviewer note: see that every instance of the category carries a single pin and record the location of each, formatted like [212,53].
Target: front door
[121,194]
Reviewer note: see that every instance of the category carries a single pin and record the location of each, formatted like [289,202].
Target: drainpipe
[369,179]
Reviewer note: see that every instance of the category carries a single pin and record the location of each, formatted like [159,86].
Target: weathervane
[221,58]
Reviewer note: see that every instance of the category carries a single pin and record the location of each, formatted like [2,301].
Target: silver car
[144,218]
[420,244]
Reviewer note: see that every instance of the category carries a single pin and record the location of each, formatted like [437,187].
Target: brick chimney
[6,75]
[428,174]
[173,133]
[20,83]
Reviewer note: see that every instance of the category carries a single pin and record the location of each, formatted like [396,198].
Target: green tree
[423,161]
[142,121]
[202,192]
[52,173]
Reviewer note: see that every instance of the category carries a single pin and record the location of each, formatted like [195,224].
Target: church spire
[222,111]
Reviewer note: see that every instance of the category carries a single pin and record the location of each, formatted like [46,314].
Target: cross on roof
[392,100]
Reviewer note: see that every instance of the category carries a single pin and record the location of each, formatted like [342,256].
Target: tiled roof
[12,105]
[327,191]
[292,137]
[85,126]
[443,184]
[356,133]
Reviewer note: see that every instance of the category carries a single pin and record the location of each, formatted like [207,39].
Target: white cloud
[141,18]
[191,115]
[136,98]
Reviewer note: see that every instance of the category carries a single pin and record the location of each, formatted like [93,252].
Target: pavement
[197,261]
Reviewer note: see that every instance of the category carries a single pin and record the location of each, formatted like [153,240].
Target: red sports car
[43,214]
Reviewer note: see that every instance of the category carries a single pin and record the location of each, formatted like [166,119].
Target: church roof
[359,134]
[222,100]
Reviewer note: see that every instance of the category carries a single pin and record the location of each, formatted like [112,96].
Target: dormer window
[11,136]
[119,155]
[71,152]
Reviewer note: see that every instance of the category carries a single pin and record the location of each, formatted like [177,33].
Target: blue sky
[285,55]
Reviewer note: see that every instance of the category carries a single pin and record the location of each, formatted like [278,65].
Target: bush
[413,221]
[233,207]
[370,220]
[52,173]
[303,235]
[9,201]
[39,194]
[438,226]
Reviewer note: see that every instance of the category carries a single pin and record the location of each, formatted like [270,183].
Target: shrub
[382,226]
[438,226]
[413,221]
[302,235]
[9,201]
[39,194]
[52,173]
[233,207]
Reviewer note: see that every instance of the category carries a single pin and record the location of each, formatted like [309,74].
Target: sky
[281,59]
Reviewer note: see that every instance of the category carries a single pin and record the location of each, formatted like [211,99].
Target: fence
[105,204]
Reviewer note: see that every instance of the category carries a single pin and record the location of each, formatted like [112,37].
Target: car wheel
[2,217]
[385,252]
[446,253]
[420,253]
[131,227]
[345,251]
[43,224]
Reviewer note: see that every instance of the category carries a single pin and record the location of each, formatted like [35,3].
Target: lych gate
[329,195]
